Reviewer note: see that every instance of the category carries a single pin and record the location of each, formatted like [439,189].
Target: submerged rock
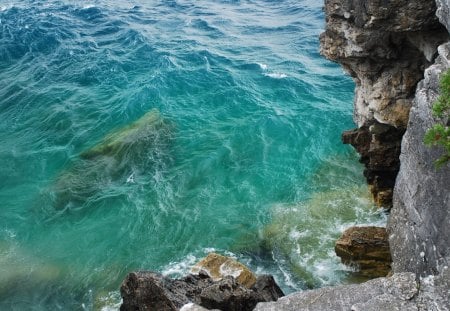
[122,155]
[218,266]
[152,291]
[367,248]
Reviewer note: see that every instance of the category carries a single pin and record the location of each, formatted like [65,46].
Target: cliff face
[419,224]
[385,46]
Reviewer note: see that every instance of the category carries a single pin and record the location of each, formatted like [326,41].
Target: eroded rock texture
[366,247]
[400,292]
[384,46]
[147,290]
[419,224]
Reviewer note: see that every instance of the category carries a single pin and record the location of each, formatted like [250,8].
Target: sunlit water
[245,158]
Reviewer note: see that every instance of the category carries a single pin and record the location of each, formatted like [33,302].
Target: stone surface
[367,248]
[400,292]
[151,291]
[218,266]
[384,46]
[419,225]
[379,147]
[443,12]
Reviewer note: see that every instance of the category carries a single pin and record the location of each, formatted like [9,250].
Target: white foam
[180,268]
[262,66]
[276,75]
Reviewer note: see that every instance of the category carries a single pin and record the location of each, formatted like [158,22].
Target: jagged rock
[400,292]
[379,147]
[384,46]
[152,291]
[419,224]
[218,266]
[367,248]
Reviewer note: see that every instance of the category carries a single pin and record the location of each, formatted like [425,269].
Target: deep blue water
[244,157]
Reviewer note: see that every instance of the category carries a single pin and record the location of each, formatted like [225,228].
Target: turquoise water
[242,153]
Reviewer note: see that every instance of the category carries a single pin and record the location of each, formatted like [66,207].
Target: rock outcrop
[218,266]
[219,283]
[419,224]
[151,291]
[367,248]
[384,46]
[401,292]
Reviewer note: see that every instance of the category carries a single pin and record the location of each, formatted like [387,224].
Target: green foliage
[439,133]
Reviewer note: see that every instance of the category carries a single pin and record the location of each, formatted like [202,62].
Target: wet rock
[379,147]
[218,266]
[367,248]
[384,46]
[152,291]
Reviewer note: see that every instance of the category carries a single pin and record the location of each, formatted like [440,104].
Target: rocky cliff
[385,45]
[419,224]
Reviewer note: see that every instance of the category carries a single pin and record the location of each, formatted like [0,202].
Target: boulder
[147,290]
[218,266]
[367,248]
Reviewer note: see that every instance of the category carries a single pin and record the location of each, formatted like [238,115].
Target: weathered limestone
[384,46]
[367,248]
[401,292]
[419,225]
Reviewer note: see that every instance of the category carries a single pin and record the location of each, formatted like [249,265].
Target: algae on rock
[122,156]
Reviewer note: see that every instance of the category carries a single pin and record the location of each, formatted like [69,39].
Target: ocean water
[145,134]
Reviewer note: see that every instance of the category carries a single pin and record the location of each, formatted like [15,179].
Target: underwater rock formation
[121,156]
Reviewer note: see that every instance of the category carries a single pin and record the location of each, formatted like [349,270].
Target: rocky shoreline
[395,51]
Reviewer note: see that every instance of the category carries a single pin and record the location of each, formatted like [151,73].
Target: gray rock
[400,292]
[443,12]
[419,225]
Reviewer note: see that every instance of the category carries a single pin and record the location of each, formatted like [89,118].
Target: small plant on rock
[439,133]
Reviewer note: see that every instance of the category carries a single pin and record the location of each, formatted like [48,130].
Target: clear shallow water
[250,163]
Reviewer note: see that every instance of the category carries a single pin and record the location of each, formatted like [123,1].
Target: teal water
[242,153]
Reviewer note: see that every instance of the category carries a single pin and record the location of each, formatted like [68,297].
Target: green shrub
[439,133]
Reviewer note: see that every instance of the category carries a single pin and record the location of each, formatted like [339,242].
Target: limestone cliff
[419,224]
[385,46]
